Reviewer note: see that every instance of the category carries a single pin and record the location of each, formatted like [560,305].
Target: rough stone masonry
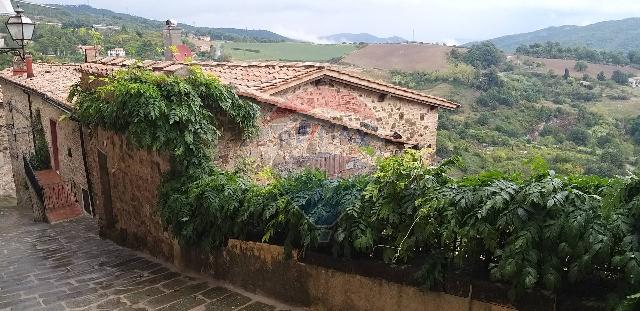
[7,187]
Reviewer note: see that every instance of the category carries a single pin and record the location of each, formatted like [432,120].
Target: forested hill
[618,35]
[76,16]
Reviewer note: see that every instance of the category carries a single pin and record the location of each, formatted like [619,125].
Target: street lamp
[21,31]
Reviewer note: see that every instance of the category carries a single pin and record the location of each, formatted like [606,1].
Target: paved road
[66,266]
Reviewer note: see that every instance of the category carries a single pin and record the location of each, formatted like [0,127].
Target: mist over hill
[361,37]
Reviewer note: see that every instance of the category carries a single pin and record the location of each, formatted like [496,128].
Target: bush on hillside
[482,56]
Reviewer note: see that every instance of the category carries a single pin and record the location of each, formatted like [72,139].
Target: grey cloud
[433,20]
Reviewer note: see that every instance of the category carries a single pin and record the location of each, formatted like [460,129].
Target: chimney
[172,37]
[90,54]
[29,64]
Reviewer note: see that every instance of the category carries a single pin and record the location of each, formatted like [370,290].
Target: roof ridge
[314,69]
[386,84]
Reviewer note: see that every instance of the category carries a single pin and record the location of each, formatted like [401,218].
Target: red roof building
[183,52]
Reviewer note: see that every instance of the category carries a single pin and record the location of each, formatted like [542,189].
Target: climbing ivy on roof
[181,116]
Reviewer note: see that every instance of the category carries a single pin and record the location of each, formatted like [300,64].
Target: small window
[382,97]
[304,128]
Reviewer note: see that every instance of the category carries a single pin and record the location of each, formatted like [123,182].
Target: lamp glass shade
[20,28]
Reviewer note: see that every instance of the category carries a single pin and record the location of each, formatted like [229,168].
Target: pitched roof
[51,81]
[270,78]
[259,81]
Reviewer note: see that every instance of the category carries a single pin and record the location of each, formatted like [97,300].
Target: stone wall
[258,268]
[360,108]
[134,177]
[19,110]
[290,141]
[265,270]
[7,186]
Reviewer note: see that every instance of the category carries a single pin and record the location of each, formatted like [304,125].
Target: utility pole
[413,39]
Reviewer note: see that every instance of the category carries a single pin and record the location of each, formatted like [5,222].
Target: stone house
[312,115]
[63,191]
[117,52]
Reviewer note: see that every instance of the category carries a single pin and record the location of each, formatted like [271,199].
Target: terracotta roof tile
[52,81]
[117,61]
[129,62]
[161,65]
[106,60]
[257,80]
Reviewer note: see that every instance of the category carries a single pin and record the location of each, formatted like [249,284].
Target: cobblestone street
[67,266]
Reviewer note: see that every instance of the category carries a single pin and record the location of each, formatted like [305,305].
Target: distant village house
[117,52]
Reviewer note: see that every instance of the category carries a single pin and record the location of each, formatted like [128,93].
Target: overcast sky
[432,20]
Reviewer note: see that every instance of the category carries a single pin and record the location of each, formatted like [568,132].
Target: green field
[288,51]
[620,109]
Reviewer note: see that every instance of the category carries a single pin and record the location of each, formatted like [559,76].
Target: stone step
[65,213]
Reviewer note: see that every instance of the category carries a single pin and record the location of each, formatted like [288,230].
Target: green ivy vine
[40,159]
[180,116]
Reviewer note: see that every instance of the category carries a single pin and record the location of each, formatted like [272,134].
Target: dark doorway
[86,202]
[55,157]
[105,184]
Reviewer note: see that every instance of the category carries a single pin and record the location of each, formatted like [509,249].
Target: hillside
[618,35]
[361,38]
[74,16]
[558,66]
[523,111]
[407,57]
[286,51]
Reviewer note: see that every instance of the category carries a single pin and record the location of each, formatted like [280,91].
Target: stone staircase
[60,203]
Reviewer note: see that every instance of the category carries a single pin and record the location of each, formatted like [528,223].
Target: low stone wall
[264,269]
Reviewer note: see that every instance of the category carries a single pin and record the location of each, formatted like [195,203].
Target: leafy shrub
[580,136]
[620,77]
[619,96]
[40,160]
[483,55]
[634,129]
[581,66]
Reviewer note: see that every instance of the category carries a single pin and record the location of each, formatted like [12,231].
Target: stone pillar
[90,54]
[172,35]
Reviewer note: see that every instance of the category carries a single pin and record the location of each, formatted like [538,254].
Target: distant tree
[586,77]
[484,55]
[566,74]
[580,66]
[618,59]
[489,79]
[601,76]
[634,57]
[580,136]
[634,129]
[620,77]
[614,157]
[456,56]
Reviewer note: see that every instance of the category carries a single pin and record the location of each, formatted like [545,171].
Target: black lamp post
[21,31]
